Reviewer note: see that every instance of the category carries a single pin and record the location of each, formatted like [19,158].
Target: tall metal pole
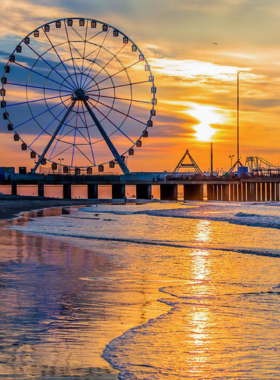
[53,137]
[111,146]
[211,159]
[238,157]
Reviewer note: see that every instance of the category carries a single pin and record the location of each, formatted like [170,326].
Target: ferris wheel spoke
[116,110]
[60,133]
[120,85]
[78,34]
[34,101]
[118,128]
[59,57]
[85,40]
[82,120]
[42,156]
[39,114]
[36,72]
[88,134]
[63,151]
[125,99]
[68,133]
[41,88]
[114,56]
[77,147]
[83,136]
[92,61]
[80,70]
[106,138]
[66,31]
[44,130]
[111,76]
[102,68]
[53,68]
[94,36]
[89,60]
[75,134]
[77,66]
[99,49]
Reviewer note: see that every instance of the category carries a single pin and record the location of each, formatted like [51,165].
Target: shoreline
[13,205]
[21,214]
[19,210]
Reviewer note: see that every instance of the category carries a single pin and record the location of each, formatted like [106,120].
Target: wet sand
[23,352]
[60,304]
[11,206]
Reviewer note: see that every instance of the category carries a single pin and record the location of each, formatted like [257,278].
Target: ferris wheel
[79,93]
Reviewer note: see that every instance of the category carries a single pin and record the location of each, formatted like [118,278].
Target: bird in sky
[214,43]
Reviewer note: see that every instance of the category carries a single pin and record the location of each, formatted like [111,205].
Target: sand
[11,206]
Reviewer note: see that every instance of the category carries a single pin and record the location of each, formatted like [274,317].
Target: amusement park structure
[85,90]
[82,89]
[260,166]
[183,165]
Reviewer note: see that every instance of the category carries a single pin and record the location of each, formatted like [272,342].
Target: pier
[250,189]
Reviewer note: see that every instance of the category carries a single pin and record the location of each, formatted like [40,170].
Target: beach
[72,308]
[11,206]
[94,292]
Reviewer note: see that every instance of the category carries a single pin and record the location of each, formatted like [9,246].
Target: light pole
[231,157]
[238,118]
[211,159]
[238,162]
[60,159]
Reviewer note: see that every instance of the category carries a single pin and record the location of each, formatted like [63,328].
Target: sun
[206,115]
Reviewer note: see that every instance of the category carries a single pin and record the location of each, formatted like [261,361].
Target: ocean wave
[267,252]
[236,213]
[243,219]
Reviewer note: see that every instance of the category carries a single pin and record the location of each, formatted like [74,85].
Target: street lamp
[60,159]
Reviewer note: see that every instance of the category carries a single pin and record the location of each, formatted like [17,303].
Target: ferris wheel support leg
[111,146]
[53,137]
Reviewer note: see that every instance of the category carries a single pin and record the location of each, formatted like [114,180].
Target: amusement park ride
[183,165]
[84,89]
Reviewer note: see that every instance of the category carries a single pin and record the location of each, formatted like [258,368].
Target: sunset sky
[195,78]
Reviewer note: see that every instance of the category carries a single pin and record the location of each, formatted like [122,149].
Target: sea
[161,290]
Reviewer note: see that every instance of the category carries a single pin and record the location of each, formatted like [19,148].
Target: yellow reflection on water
[200,268]
[203,231]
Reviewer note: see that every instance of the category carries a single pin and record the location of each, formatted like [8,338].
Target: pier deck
[220,189]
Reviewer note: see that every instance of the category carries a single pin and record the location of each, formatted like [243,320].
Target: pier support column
[92,191]
[67,191]
[219,192]
[243,192]
[14,189]
[193,192]
[41,190]
[143,192]
[251,192]
[238,192]
[258,192]
[118,191]
[168,192]
[210,193]
[262,190]
[225,193]
[233,193]
[268,191]
[273,190]
[215,192]
[277,192]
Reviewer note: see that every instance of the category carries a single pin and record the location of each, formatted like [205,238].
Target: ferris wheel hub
[79,94]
